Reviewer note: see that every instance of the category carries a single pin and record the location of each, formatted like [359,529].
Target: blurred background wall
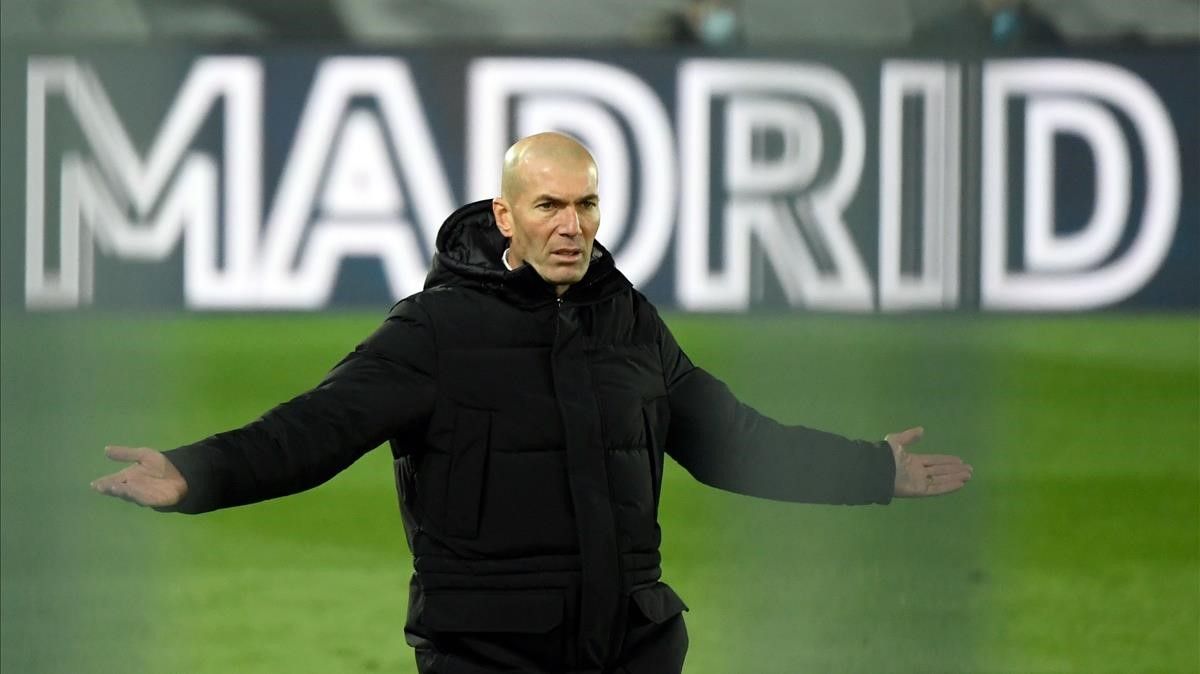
[579,22]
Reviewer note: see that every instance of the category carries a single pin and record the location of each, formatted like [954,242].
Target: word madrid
[753,173]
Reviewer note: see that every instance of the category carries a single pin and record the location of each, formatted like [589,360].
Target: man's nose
[568,224]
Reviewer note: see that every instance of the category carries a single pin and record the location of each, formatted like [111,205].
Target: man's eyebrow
[591,196]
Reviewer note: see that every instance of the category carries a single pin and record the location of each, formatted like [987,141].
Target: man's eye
[544,206]
[589,204]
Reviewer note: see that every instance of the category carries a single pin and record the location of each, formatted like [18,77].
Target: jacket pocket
[493,611]
[468,466]
[658,603]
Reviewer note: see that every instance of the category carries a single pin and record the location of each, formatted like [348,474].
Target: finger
[120,487]
[119,453]
[949,472]
[958,480]
[944,485]
[111,481]
[949,468]
[101,483]
[905,438]
[110,486]
[950,478]
[125,495]
[937,460]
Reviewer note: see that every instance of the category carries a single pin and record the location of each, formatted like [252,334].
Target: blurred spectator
[1002,23]
[709,23]
[303,20]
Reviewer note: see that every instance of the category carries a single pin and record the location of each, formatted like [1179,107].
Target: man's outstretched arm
[384,388]
[729,445]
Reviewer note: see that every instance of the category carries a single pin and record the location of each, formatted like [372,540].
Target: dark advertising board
[855,181]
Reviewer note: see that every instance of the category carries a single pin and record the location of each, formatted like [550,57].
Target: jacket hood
[469,248]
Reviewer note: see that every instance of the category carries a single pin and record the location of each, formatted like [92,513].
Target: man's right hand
[152,480]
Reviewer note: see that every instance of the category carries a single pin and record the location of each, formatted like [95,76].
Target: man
[990,23]
[529,394]
[708,23]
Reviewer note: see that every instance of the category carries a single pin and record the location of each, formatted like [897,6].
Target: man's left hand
[925,474]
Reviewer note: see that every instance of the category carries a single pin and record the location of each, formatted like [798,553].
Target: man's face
[552,219]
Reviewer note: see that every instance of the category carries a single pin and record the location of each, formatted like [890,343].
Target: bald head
[541,152]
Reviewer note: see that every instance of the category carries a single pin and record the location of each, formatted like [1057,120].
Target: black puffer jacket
[528,433]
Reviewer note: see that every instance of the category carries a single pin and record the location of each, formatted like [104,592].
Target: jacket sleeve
[729,445]
[382,389]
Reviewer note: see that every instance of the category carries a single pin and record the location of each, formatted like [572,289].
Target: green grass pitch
[1075,549]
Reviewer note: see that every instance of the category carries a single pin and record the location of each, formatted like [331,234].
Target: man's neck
[504,260]
[558,290]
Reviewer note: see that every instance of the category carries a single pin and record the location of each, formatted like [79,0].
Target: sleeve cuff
[884,484]
[192,462]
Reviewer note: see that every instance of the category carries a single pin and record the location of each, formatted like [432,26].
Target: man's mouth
[571,254]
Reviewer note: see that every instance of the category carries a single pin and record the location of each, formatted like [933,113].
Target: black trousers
[648,648]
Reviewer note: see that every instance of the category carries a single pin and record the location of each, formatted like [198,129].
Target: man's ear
[503,217]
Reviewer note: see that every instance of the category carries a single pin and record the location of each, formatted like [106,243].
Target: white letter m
[138,208]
